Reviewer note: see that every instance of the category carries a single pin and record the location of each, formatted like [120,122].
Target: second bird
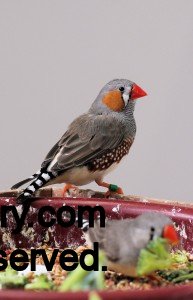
[93,144]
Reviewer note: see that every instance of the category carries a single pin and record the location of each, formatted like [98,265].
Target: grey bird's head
[154,224]
[141,230]
[117,96]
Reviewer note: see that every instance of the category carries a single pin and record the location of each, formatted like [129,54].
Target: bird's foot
[113,189]
[67,187]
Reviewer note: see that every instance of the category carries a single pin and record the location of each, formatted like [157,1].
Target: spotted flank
[110,157]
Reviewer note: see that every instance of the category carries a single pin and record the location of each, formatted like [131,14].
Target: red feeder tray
[59,237]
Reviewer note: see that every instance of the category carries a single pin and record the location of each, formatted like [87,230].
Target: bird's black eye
[121,89]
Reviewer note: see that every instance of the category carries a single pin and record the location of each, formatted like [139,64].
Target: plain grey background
[55,56]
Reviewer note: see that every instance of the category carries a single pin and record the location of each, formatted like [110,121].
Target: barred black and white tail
[43,178]
[18,184]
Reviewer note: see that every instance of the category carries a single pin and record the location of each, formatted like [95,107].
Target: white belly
[81,175]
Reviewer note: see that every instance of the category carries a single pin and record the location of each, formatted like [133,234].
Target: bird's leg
[112,188]
[67,187]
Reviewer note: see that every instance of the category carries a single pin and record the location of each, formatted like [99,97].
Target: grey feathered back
[87,137]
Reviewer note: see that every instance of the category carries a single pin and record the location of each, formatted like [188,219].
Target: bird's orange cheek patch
[114,101]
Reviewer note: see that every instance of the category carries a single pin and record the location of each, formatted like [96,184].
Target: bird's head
[117,95]
[146,227]
[156,225]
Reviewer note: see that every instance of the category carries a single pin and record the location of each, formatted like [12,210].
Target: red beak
[137,92]
[170,233]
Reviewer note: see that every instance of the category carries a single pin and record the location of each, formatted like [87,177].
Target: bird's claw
[113,189]
[66,189]
[119,191]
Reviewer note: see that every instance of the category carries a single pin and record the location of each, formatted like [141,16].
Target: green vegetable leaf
[179,275]
[156,256]
[180,257]
[10,279]
[94,296]
[79,279]
[40,282]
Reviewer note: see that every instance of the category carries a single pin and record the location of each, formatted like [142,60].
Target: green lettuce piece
[94,296]
[40,282]
[79,279]
[155,256]
[179,275]
[181,278]
[10,279]
[180,257]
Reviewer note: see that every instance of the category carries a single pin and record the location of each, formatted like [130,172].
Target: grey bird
[93,144]
[122,240]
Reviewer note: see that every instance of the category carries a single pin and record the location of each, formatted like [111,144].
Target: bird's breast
[128,270]
[82,175]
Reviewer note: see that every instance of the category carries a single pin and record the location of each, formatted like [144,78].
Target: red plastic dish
[181,214]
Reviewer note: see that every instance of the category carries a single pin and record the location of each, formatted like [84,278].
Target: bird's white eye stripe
[45,176]
[125,98]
